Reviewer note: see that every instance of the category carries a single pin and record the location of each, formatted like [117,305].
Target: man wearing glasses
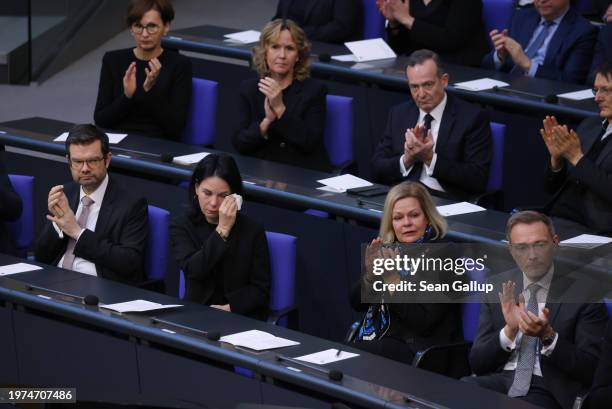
[539,341]
[95,226]
[579,173]
[435,139]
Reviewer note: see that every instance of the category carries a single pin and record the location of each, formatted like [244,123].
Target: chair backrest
[470,310]
[156,258]
[201,124]
[496,171]
[23,228]
[609,307]
[338,137]
[582,6]
[373,21]
[496,14]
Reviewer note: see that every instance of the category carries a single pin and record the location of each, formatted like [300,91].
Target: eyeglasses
[539,246]
[91,163]
[604,91]
[138,28]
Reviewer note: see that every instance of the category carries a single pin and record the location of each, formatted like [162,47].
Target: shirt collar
[557,20]
[543,282]
[437,112]
[607,127]
[98,195]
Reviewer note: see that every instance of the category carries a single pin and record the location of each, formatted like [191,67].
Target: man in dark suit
[549,40]
[579,174]
[95,226]
[539,349]
[437,139]
[331,21]
[10,208]
[600,394]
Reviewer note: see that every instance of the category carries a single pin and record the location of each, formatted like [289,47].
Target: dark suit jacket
[568,371]
[594,177]
[600,395]
[295,139]
[117,246]
[453,29]
[603,50]
[10,208]
[331,21]
[243,262]
[569,52]
[463,147]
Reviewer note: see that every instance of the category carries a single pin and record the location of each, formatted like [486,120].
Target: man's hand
[67,223]
[499,43]
[549,123]
[568,143]
[400,12]
[509,309]
[532,325]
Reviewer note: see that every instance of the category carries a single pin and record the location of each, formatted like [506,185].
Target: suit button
[282,145]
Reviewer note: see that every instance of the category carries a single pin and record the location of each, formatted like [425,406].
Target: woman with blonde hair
[281,114]
[393,329]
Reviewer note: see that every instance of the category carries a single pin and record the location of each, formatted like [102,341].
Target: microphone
[164,157]
[551,99]
[87,300]
[211,335]
[91,299]
[324,57]
[333,374]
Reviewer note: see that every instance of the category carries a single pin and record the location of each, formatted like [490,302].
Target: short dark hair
[216,164]
[85,134]
[138,8]
[604,69]
[529,217]
[419,57]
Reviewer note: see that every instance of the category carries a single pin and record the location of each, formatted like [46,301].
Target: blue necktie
[537,43]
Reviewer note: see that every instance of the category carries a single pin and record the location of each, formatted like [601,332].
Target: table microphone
[211,335]
[87,300]
[324,57]
[91,299]
[333,374]
[164,157]
[551,99]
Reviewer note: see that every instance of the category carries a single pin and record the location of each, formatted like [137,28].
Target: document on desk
[326,357]
[137,306]
[257,340]
[459,208]
[370,50]
[481,84]
[339,184]
[190,159]
[344,58]
[17,268]
[586,241]
[113,138]
[244,37]
[578,95]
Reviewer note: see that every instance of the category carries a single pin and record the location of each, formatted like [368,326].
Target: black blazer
[600,395]
[117,247]
[568,371]
[295,139]
[331,21]
[243,262]
[595,178]
[453,29]
[569,53]
[10,208]
[463,147]
[603,50]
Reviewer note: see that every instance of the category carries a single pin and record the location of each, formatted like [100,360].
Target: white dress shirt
[426,175]
[80,264]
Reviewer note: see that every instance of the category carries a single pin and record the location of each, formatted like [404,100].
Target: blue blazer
[570,50]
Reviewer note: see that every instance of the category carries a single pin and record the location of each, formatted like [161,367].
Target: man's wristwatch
[548,340]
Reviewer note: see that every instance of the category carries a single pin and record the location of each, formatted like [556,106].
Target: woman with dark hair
[281,115]
[145,89]
[222,252]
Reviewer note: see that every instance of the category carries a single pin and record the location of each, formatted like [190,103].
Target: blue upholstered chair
[497,14]
[201,123]
[609,307]
[338,136]
[373,21]
[23,228]
[156,258]
[493,196]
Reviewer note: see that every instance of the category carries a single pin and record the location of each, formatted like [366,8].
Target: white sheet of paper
[190,159]
[578,95]
[459,208]
[17,268]
[244,37]
[327,356]
[370,50]
[481,84]
[588,241]
[113,138]
[344,58]
[330,189]
[343,182]
[257,340]
[137,306]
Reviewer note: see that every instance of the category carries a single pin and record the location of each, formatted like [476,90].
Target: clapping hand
[152,73]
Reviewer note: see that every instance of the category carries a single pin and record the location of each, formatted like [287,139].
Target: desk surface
[524,94]
[368,380]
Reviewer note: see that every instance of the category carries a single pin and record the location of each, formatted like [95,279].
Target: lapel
[292,96]
[73,198]
[106,208]
[526,32]
[447,124]
[561,35]
[559,285]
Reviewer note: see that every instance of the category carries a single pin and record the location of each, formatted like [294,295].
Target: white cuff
[533,69]
[430,169]
[506,343]
[546,351]
[60,233]
[496,61]
[403,169]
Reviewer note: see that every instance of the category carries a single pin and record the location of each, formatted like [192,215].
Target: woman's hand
[227,215]
[152,74]
[129,80]
[274,94]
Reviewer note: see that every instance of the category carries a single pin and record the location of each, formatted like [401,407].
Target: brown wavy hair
[270,33]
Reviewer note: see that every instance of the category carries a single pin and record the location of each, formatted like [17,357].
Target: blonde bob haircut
[271,33]
[420,193]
